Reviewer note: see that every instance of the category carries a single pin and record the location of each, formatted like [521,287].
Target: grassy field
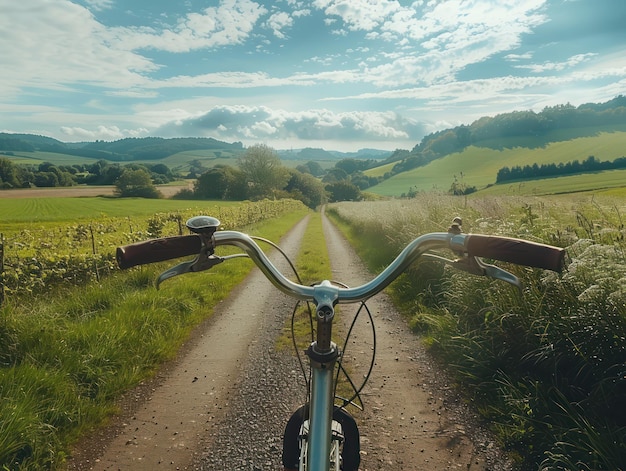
[570,184]
[30,210]
[379,171]
[36,158]
[479,165]
[180,162]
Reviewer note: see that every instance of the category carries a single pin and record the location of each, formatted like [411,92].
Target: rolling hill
[176,153]
[478,166]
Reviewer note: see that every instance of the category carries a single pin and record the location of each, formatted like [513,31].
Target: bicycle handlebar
[158,250]
[505,249]
[518,251]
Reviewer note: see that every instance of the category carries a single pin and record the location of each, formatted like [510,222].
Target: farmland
[500,345]
[59,209]
[478,166]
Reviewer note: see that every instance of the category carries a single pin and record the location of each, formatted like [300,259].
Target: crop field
[568,184]
[36,158]
[544,365]
[478,166]
[31,210]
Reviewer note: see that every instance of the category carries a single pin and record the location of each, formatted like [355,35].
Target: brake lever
[203,261]
[475,266]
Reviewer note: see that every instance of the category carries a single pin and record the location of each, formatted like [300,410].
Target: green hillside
[478,166]
[380,170]
[612,179]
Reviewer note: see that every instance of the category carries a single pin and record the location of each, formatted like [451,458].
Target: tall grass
[548,368]
[65,359]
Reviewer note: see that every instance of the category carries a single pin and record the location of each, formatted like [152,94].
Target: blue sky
[337,74]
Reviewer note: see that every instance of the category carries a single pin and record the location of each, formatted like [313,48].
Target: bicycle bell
[204,225]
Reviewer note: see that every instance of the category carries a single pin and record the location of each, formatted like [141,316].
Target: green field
[379,171]
[36,158]
[569,184]
[180,162]
[26,210]
[479,165]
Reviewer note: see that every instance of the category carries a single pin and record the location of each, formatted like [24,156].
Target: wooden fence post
[94,252]
[1,269]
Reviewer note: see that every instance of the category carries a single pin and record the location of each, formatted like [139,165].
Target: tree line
[260,174]
[530,172]
[102,172]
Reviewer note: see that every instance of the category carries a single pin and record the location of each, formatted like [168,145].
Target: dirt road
[223,404]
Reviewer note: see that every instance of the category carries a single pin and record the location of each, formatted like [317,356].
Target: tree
[334,175]
[136,183]
[8,173]
[46,179]
[306,188]
[311,167]
[343,191]
[215,183]
[264,171]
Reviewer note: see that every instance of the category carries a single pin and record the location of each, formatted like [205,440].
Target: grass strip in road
[313,266]
[66,359]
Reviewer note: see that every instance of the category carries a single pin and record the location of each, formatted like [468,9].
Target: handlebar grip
[157,250]
[521,252]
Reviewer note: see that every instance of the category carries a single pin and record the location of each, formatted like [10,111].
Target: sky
[334,74]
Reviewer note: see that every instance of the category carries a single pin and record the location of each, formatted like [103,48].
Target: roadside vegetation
[66,356]
[545,369]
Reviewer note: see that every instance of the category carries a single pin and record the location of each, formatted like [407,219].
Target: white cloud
[364,15]
[571,62]
[258,122]
[100,5]
[231,22]
[107,133]
[58,44]
[232,80]
[436,41]
[279,22]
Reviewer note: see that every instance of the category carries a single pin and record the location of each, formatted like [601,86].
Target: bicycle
[322,435]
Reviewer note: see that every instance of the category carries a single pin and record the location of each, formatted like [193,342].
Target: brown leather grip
[158,250]
[521,252]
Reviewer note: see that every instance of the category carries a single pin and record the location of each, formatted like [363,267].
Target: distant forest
[531,172]
[123,150]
